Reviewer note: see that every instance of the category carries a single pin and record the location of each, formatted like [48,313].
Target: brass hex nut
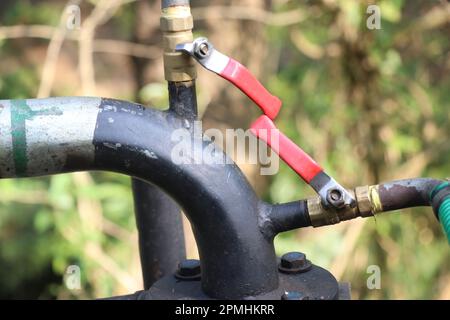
[172,39]
[319,215]
[175,24]
[363,200]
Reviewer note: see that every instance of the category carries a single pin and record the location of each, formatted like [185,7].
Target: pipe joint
[323,216]
[176,24]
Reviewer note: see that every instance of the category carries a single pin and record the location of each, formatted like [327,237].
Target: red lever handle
[241,77]
[292,154]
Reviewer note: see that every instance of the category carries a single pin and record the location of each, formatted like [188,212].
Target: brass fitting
[319,215]
[176,25]
[368,203]
[363,200]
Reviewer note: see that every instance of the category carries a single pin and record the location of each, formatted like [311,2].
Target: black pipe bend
[56,135]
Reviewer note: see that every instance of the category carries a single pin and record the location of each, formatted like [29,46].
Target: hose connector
[176,25]
[440,201]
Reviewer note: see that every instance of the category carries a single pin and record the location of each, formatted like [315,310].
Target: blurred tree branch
[99,45]
[53,50]
[249,13]
[101,13]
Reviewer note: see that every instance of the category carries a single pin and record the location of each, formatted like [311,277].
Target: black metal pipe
[83,134]
[158,217]
[237,259]
[183,99]
[160,230]
[407,193]
[284,217]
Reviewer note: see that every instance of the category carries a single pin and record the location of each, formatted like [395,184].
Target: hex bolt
[336,198]
[294,295]
[189,270]
[202,48]
[294,262]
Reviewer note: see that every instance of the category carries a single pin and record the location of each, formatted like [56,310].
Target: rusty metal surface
[406,193]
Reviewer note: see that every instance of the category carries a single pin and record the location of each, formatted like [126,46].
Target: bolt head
[293,295]
[294,262]
[202,48]
[189,270]
[335,197]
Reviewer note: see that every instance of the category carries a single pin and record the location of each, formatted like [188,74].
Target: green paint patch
[20,113]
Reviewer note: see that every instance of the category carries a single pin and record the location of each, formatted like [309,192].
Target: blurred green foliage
[370,105]
[374,106]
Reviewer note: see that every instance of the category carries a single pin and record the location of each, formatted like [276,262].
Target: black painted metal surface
[183,99]
[160,229]
[158,217]
[237,258]
[315,284]
[285,217]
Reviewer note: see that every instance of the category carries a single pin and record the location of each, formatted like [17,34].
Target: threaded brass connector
[363,201]
[319,215]
[176,25]
[367,200]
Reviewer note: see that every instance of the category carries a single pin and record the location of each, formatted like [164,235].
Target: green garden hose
[440,200]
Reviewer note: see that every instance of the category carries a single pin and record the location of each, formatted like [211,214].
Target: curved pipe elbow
[50,136]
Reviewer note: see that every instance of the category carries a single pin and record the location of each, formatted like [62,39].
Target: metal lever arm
[329,190]
[205,53]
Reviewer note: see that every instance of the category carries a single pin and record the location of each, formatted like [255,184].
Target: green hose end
[440,201]
[444,217]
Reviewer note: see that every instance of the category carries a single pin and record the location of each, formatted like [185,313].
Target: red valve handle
[241,77]
[292,154]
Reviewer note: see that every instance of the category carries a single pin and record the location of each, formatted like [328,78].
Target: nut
[189,270]
[202,48]
[335,197]
[174,24]
[177,23]
[294,262]
[363,200]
